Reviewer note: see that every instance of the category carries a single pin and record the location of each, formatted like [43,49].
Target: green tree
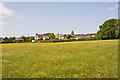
[6,39]
[10,39]
[50,35]
[31,38]
[23,37]
[27,39]
[13,38]
[68,36]
[41,38]
[72,33]
[109,30]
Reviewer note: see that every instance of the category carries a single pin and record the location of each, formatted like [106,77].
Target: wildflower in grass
[75,64]
[76,76]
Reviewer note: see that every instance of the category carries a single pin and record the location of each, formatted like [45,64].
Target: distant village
[108,30]
[39,37]
[48,36]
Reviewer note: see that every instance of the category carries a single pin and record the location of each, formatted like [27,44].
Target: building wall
[62,38]
[36,37]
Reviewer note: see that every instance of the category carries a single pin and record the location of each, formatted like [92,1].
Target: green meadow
[80,59]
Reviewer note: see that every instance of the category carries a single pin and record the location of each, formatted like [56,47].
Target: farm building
[90,35]
[1,39]
[39,37]
[61,36]
[78,36]
[75,37]
[19,40]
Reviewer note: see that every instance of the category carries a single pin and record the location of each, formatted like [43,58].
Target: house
[77,37]
[1,39]
[93,35]
[19,40]
[73,37]
[61,36]
[82,36]
[39,37]
[45,38]
[90,35]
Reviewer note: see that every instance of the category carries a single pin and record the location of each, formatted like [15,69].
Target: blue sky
[28,18]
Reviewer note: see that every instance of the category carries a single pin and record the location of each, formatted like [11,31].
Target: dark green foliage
[90,33]
[31,38]
[68,40]
[56,39]
[27,39]
[10,39]
[41,38]
[68,36]
[109,30]
[72,33]
[23,37]
[50,35]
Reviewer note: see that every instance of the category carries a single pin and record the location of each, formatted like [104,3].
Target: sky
[28,18]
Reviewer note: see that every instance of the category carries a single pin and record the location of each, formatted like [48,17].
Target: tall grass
[81,59]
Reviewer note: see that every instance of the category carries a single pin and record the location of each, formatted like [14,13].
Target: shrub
[41,38]
[56,39]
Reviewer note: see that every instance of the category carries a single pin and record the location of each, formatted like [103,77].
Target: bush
[41,38]
[68,36]
[67,40]
[56,39]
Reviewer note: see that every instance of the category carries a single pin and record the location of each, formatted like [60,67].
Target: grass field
[81,59]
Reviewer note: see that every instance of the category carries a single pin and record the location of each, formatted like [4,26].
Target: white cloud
[106,10]
[2,16]
[19,17]
[3,23]
[5,12]
[113,8]
[110,9]
[103,10]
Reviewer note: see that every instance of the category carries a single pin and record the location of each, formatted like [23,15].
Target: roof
[42,36]
[45,36]
[19,39]
[82,35]
[61,35]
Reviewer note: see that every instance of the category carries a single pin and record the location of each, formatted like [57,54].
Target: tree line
[108,30]
[12,39]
